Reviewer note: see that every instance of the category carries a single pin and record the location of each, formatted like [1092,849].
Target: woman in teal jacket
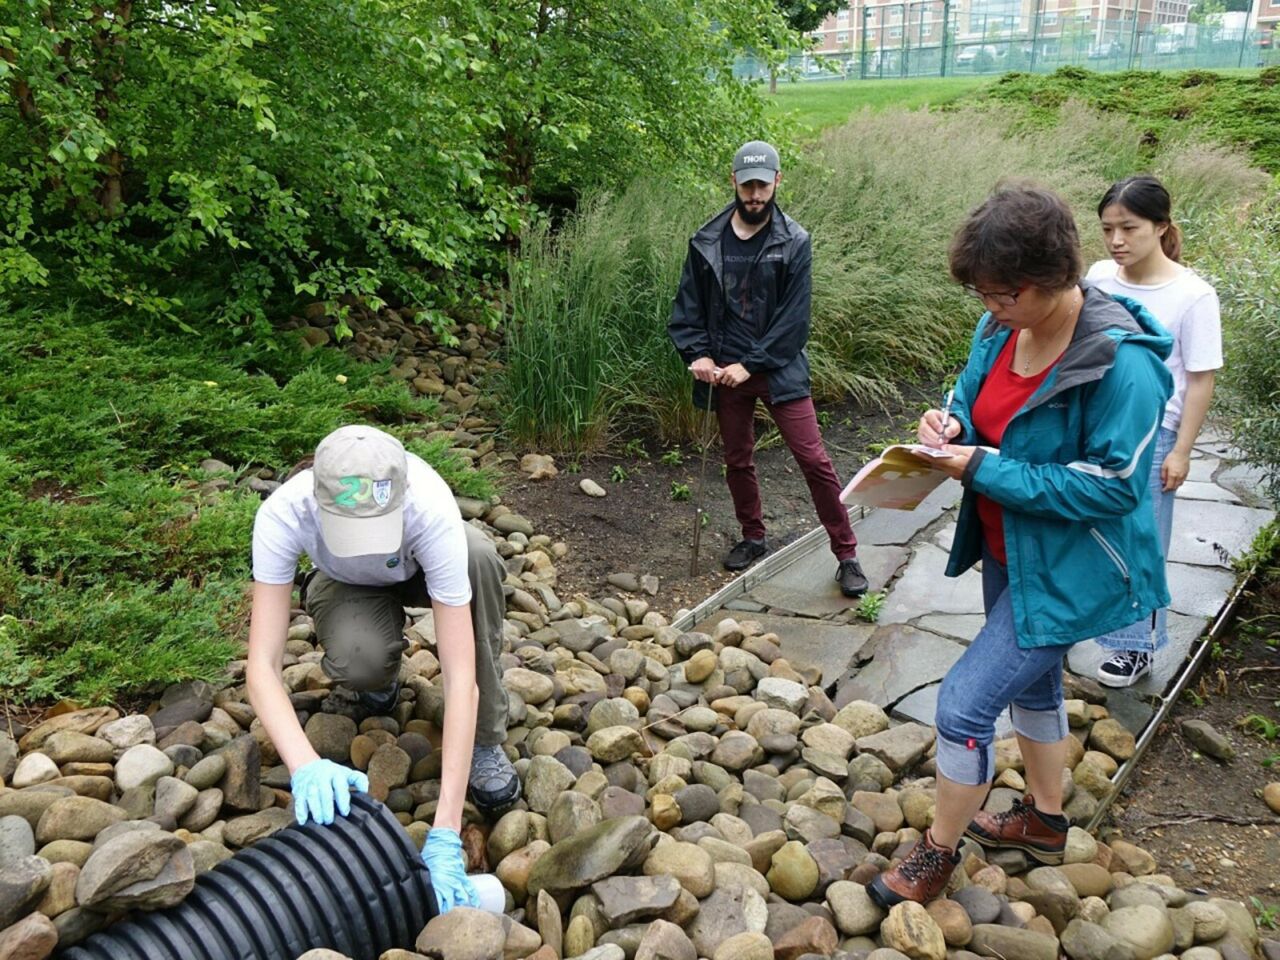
[1052,431]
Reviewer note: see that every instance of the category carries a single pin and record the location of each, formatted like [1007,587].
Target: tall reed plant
[587,350]
[881,197]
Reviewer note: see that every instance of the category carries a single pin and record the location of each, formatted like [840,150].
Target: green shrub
[1241,257]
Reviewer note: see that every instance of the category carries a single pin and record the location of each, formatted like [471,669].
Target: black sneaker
[493,783]
[1125,668]
[745,553]
[853,582]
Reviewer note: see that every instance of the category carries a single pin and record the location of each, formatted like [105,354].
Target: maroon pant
[798,423]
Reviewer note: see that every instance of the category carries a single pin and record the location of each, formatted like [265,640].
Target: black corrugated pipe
[357,886]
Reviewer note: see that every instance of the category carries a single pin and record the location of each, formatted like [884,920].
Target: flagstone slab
[1198,591]
[1212,534]
[808,586]
[958,626]
[885,526]
[1247,482]
[1195,490]
[806,642]
[1203,469]
[922,707]
[924,587]
[903,659]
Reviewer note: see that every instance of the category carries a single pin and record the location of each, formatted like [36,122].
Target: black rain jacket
[699,313]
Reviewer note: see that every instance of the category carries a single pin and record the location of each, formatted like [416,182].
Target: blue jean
[1144,635]
[995,673]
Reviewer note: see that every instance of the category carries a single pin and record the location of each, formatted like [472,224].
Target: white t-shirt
[287,526]
[1188,308]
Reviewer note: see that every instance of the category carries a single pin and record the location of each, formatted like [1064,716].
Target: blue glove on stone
[442,853]
[321,786]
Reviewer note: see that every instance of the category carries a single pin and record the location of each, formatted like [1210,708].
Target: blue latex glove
[442,853]
[321,786]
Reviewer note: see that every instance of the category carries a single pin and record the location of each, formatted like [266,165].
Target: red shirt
[1003,394]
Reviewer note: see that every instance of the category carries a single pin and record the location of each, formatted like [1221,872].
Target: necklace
[1029,361]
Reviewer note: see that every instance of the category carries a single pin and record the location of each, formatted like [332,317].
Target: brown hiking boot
[1022,827]
[922,876]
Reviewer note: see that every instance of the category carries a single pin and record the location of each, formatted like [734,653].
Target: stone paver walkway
[927,619]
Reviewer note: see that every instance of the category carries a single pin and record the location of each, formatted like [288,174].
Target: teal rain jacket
[1072,475]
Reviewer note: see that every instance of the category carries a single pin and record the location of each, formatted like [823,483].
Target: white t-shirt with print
[287,525]
[1188,308]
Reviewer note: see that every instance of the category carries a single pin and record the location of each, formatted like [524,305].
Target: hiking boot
[1125,668]
[493,785]
[745,553]
[853,582]
[922,876]
[1043,836]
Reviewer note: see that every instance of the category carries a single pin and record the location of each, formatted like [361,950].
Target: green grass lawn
[825,103]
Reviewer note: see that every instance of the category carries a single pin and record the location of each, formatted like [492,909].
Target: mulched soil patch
[639,528]
[1203,820]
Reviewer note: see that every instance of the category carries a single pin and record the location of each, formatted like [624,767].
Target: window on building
[1050,18]
[842,16]
[895,33]
[1083,14]
[842,37]
[895,15]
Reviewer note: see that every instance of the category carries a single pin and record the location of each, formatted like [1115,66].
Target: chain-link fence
[929,38]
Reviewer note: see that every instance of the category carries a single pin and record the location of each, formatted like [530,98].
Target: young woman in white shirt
[1145,266]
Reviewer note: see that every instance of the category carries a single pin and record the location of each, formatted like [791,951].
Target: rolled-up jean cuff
[1042,726]
[965,764]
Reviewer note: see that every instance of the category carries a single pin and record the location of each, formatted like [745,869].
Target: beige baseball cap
[360,482]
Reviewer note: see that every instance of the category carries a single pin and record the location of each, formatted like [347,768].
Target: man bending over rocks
[383,532]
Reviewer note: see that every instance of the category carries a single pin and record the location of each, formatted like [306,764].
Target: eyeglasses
[999,299]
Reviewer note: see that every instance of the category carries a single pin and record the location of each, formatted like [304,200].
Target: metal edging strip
[762,571]
[1121,778]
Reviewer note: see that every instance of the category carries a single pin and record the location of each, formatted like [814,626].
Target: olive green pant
[362,630]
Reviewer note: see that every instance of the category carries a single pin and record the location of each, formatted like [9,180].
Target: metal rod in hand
[702,476]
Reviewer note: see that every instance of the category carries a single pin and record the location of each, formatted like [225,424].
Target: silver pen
[946,416]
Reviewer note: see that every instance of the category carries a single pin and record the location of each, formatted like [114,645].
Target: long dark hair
[1021,234]
[1146,197]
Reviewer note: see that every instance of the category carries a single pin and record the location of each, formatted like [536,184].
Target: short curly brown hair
[1023,234]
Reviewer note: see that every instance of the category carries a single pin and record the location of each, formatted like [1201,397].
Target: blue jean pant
[1144,635]
[995,673]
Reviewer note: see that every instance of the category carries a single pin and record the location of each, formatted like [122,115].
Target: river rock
[17,840]
[1082,940]
[624,900]
[463,933]
[726,913]
[855,912]
[793,873]
[814,936]
[76,818]
[990,940]
[68,746]
[1146,929]
[544,780]
[688,863]
[1202,735]
[610,847]
[141,766]
[22,883]
[145,870]
[80,721]
[35,768]
[31,938]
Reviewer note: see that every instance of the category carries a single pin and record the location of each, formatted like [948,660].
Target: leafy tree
[228,157]
[803,16]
